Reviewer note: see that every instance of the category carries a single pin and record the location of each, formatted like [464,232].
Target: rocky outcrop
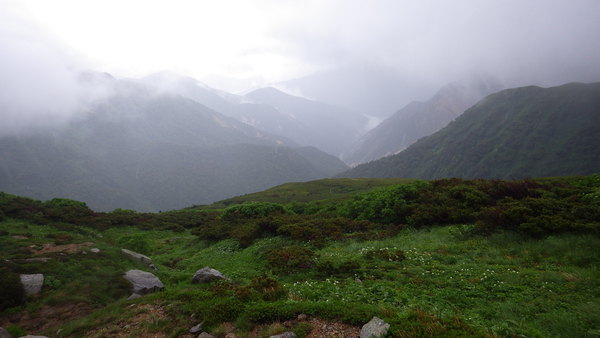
[376,327]
[143,282]
[207,275]
[139,258]
[32,283]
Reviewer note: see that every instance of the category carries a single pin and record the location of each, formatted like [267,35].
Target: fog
[371,56]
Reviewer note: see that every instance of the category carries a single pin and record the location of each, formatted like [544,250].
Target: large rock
[32,284]
[376,327]
[207,275]
[143,282]
[138,257]
[4,333]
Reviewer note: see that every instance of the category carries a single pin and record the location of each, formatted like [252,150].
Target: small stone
[205,335]
[302,317]
[376,327]
[284,335]
[206,275]
[32,283]
[137,256]
[95,250]
[196,328]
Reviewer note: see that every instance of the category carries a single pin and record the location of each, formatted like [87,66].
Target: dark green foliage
[268,288]
[302,329]
[12,291]
[290,259]
[356,314]
[137,243]
[253,210]
[383,205]
[16,331]
[390,255]
[60,238]
[338,267]
[418,323]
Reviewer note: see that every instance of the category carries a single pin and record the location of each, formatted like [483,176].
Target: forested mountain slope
[515,133]
[149,151]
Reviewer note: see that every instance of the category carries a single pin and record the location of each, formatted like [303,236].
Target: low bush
[289,259]
[253,210]
[12,290]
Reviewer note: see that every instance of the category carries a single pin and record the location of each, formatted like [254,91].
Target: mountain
[330,128]
[419,119]
[373,89]
[515,133]
[146,151]
[306,122]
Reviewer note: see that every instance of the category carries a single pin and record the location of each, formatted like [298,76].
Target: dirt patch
[47,248]
[47,317]
[320,328]
[327,328]
[147,318]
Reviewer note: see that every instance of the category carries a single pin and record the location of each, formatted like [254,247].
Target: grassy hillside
[515,133]
[300,192]
[432,258]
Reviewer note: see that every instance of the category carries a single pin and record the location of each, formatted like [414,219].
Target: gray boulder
[138,257]
[376,327]
[4,333]
[207,275]
[32,283]
[143,282]
[196,328]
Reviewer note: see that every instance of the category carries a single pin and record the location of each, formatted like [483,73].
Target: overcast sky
[235,45]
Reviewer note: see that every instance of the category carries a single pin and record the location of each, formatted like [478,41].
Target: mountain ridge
[515,133]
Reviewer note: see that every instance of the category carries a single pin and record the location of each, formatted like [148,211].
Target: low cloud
[42,84]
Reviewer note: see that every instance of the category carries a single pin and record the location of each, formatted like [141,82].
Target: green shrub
[383,205]
[290,259]
[137,243]
[16,331]
[351,313]
[268,288]
[253,209]
[391,255]
[417,323]
[338,267]
[12,290]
